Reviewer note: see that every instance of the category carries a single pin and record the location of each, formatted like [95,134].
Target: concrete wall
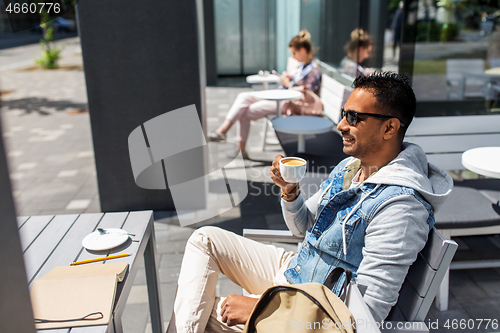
[141,59]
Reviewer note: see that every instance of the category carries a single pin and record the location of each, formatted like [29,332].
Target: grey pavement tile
[491,287]
[85,193]
[140,278]
[484,309]
[275,221]
[464,288]
[94,207]
[176,232]
[170,261]
[172,220]
[169,274]
[164,246]
[166,321]
[486,274]
[138,294]
[135,317]
[159,227]
[54,212]
[167,299]
[230,214]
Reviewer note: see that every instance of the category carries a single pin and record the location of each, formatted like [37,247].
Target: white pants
[247,107]
[210,251]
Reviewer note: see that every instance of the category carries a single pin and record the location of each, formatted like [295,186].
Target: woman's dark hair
[302,40]
[359,38]
[394,94]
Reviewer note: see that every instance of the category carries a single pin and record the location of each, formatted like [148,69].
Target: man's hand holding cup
[287,173]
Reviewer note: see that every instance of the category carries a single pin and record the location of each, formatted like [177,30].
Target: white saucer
[97,242]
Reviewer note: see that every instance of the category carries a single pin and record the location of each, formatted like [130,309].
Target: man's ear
[391,128]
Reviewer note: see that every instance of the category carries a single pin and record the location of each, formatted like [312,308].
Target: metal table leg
[301,144]
[152,282]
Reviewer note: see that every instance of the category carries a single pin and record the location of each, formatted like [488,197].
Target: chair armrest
[265,235]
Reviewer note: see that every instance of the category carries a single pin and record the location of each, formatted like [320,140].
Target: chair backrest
[424,278]
[333,96]
[444,139]
[456,67]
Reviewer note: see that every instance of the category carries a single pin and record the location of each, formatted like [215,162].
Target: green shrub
[432,32]
[50,54]
[449,31]
[428,32]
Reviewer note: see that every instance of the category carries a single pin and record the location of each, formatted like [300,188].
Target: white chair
[333,96]
[420,286]
[456,80]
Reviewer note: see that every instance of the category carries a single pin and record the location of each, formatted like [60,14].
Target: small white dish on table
[111,238]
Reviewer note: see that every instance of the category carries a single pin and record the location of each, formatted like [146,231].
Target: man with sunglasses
[374,212]
[372,215]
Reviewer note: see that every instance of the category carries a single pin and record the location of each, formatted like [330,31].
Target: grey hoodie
[385,262]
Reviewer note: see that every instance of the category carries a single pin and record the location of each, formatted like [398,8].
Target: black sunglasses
[352,116]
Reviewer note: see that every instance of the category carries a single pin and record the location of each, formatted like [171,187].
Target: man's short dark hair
[394,94]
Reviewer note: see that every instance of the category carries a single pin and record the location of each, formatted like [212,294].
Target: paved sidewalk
[47,133]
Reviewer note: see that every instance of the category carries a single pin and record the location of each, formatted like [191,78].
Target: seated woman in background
[358,49]
[247,107]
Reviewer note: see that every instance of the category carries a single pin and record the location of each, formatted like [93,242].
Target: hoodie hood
[411,169]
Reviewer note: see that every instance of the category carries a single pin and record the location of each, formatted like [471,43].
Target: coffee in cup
[293,169]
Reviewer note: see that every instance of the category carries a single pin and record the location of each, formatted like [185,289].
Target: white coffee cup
[293,169]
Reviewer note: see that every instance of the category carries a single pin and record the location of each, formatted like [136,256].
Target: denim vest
[322,249]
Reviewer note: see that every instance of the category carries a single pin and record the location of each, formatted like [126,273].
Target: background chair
[455,80]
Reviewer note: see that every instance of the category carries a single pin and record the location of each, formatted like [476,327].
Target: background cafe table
[484,161]
[50,241]
[302,125]
[264,79]
[279,95]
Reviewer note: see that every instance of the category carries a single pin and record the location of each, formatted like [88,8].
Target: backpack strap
[333,278]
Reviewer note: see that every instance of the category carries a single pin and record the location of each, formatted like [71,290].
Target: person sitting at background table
[358,49]
[247,107]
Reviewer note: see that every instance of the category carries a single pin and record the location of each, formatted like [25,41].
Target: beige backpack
[302,308]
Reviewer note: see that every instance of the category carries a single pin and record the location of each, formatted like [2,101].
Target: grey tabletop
[51,241]
[303,125]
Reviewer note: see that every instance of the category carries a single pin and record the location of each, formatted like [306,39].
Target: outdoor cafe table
[51,241]
[278,95]
[264,79]
[302,125]
[484,161]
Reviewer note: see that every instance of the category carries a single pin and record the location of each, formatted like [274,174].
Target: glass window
[352,37]
[452,51]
